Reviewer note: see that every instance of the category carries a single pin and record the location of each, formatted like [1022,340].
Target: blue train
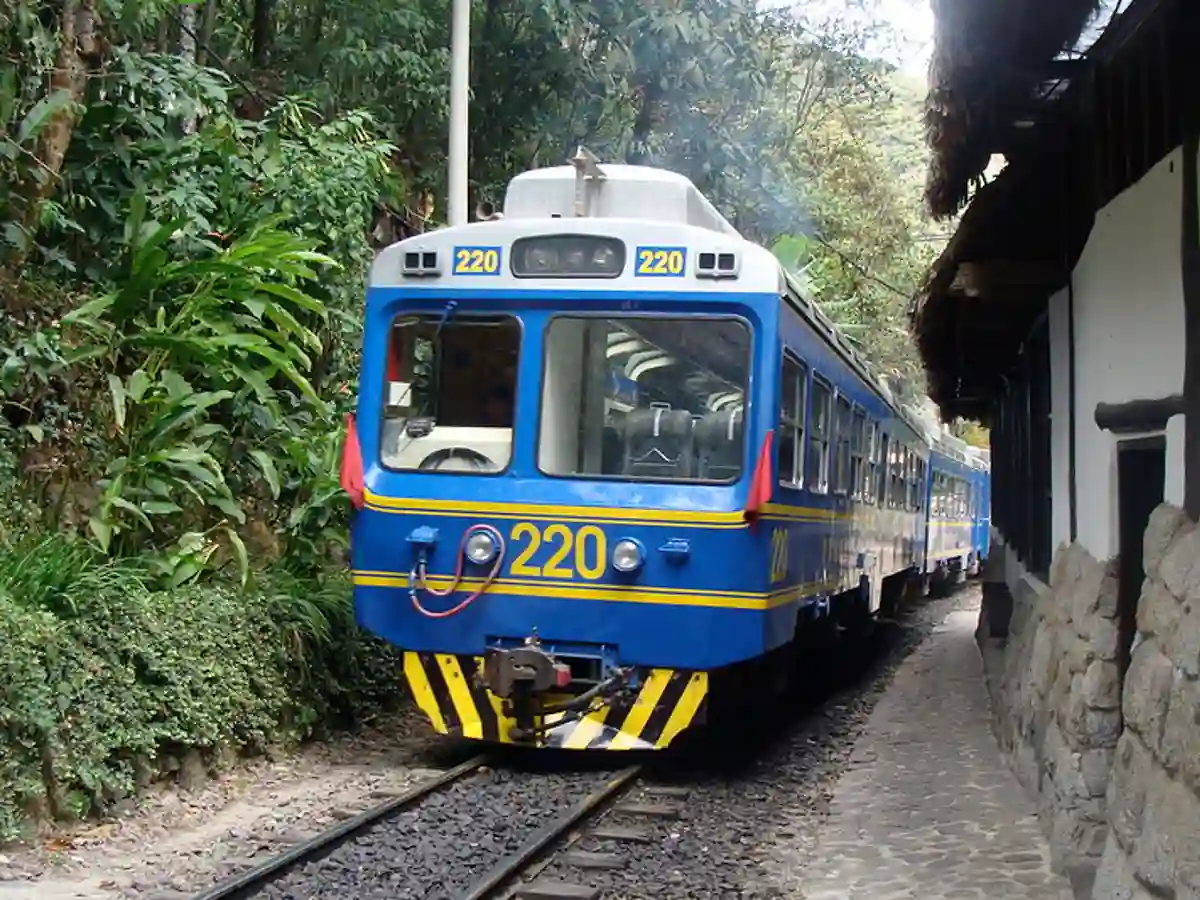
[611,468]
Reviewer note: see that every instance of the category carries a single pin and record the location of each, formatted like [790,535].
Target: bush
[100,675]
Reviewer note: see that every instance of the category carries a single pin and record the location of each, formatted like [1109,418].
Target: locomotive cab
[612,460]
[504,398]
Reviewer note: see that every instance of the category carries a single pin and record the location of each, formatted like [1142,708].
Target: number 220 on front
[589,559]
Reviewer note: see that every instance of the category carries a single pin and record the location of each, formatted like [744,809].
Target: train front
[556,463]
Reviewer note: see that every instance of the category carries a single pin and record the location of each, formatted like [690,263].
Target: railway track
[579,832]
[251,882]
[506,877]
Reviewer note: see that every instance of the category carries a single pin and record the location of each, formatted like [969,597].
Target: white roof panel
[625,192]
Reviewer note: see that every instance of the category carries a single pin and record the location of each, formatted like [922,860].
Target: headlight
[481,548]
[627,555]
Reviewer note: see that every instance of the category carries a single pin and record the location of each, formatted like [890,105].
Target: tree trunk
[78,53]
[643,125]
[316,28]
[163,40]
[187,50]
[262,32]
[207,26]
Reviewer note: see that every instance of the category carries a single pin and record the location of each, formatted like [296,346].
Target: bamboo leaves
[191,340]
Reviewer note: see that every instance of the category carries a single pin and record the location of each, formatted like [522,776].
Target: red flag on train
[352,467]
[762,484]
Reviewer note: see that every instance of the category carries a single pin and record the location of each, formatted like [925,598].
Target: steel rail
[512,866]
[246,884]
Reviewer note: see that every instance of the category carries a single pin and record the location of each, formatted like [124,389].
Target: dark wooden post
[1187,39]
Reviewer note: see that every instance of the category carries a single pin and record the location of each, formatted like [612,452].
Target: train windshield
[660,399]
[450,393]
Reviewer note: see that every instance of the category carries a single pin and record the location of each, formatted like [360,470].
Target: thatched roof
[1015,245]
[1079,146]
[989,59]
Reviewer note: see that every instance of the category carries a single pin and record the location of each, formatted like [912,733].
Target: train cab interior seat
[658,443]
[612,450]
[719,444]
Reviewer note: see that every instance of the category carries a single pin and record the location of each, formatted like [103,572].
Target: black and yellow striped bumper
[453,699]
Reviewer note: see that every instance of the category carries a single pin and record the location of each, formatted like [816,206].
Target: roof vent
[587,174]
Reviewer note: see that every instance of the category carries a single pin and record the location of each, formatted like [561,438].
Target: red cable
[417,577]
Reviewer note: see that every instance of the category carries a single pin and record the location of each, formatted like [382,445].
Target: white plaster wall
[1174,492]
[1128,336]
[1060,416]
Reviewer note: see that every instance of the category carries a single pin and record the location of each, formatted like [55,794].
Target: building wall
[1111,754]
[1129,336]
[1056,690]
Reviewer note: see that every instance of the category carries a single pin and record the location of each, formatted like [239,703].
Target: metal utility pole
[460,67]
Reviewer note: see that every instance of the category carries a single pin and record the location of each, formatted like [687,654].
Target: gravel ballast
[437,849]
[740,810]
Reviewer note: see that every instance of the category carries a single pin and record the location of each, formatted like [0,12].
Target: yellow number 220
[660,261]
[589,544]
[476,261]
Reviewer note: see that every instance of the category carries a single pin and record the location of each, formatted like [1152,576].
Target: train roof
[649,206]
[640,193]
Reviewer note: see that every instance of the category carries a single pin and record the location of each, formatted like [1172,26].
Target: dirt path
[173,843]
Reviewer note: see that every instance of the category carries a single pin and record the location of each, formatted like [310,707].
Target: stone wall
[1114,761]
[1056,688]
[1153,848]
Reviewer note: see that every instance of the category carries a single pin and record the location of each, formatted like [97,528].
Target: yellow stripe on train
[616,593]
[454,700]
[593,514]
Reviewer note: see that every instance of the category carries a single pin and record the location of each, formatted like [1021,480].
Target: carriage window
[841,482]
[920,483]
[881,469]
[870,479]
[793,389]
[858,437]
[896,476]
[916,482]
[659,399]
[817,464]
[449,396]
[910,477]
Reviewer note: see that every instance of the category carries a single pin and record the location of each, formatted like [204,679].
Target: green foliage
[203,335]
[100,676]
[972,432]
[220,336]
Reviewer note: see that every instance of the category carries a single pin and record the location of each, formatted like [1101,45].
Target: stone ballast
[1113,758]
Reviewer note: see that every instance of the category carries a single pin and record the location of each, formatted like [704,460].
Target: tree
[327,122]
